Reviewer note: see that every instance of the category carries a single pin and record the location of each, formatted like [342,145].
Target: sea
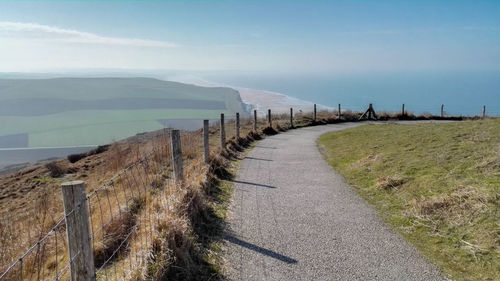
[461,92]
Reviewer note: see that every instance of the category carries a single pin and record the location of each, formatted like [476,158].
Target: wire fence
[114,217]
[125,212]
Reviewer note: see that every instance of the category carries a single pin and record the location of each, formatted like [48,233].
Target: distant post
[222,132]
[255,120]
[484,111]
[78,231]
[237,125]
[175,136]
[314,112]
[442,110]
[269,119]
[340,114]
[206,145]
[291,117]
[403,110]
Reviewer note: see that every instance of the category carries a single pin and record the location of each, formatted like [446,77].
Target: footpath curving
[294,218]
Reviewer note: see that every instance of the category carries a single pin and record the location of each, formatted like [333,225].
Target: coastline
[260,100]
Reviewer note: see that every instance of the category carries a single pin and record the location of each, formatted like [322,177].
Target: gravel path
[294,218]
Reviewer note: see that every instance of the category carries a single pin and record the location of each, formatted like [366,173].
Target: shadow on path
[268,147]
[261,159]
[252,183]
[258,249]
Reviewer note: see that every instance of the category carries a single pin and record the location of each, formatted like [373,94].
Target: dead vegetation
[458,207]
[389,183]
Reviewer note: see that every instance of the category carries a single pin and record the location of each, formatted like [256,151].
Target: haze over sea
[462,93]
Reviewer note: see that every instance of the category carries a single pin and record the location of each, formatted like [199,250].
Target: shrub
[55,169]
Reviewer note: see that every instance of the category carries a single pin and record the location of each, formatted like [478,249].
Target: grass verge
[437,184]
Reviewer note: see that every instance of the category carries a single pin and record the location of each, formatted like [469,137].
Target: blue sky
[275,36]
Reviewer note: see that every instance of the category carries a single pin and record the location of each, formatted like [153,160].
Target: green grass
[93,127]
[436,184]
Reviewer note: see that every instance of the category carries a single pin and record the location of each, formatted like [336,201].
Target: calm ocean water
[462,93]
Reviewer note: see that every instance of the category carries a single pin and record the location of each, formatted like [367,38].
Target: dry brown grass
[458,207]
[389,183]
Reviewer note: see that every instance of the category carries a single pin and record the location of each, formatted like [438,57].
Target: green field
[100,125]
[436,184]
[93,127]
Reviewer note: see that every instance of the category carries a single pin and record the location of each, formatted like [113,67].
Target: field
[66,112]
[436,184]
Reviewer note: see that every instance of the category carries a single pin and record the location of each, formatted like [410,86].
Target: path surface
[294,218]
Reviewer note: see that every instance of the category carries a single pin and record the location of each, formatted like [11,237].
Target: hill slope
[64,112]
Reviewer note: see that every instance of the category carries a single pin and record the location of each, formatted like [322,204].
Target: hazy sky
[278,36]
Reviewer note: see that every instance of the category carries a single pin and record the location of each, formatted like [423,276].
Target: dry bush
[116,157]
[234,145]
[269,131]
[349,115]
[73,158]
[114,233]
[56,169]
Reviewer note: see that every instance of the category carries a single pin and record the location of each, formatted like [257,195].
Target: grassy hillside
[436,184]
[92,111]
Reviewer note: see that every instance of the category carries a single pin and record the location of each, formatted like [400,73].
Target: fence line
[107,234]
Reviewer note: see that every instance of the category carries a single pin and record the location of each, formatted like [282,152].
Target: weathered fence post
[237,125]
[255,120]
[314,113]
[222,132]
[291,117]
[78,231]
[269,119]
[206,147]
[175,137]
[340,114]
[484,111]
[442,110]
[403,110]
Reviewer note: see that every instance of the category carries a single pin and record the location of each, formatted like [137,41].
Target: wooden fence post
[78,231]
[403,110]
[237,125]
[222,132]
[314,113]
[291,117]
[255,120]
[484,111]
[175,137]
[206,146]
[442,110]
[340,114]
[269,119]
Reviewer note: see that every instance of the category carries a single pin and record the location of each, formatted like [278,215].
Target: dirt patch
[390,182]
